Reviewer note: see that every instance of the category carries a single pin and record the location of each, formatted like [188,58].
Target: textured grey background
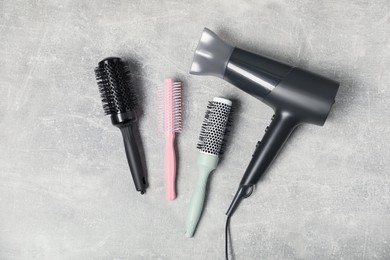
[65,187]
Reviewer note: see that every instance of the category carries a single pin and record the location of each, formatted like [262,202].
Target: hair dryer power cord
[227,226]
[227,234]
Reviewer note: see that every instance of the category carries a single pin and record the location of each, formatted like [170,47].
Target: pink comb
[172,125]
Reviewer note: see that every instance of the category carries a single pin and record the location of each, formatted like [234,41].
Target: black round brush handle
[134,158]
[277,133]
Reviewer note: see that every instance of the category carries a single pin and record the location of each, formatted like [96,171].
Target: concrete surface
[65,187]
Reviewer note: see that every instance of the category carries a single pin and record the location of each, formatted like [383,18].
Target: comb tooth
[168,102]
[172,106]
[177,106]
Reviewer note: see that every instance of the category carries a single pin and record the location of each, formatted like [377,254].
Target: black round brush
[120,102]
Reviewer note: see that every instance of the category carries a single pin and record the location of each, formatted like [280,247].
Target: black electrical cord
[227,233]
[227,226]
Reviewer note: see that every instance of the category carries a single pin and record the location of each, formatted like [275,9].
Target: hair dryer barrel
[255,74]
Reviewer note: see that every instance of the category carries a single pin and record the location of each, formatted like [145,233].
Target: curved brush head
[211,55]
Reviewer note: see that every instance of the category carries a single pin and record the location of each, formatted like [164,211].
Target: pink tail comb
[172,124]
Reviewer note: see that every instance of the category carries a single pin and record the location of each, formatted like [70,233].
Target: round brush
[211,145]
[120,102]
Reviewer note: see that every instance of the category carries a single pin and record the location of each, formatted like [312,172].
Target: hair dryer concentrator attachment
[211,56]
[297,96]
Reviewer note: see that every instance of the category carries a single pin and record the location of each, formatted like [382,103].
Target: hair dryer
[297,96]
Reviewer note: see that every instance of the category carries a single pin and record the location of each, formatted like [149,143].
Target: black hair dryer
[297,96]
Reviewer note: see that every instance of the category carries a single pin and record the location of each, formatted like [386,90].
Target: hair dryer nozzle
[211,55]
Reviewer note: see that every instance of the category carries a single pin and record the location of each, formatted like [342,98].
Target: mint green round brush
[210,145]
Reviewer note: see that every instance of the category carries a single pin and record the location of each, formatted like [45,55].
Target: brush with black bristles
[211,144]
[120,102]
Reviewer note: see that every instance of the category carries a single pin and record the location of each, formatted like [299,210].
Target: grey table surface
[65,186]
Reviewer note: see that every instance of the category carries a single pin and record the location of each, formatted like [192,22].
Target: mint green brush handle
[206,164]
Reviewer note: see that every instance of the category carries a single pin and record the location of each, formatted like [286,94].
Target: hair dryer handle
[277,133]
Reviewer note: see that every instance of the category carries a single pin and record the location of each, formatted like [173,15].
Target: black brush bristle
[227,130]
[215,127]
[114,84]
